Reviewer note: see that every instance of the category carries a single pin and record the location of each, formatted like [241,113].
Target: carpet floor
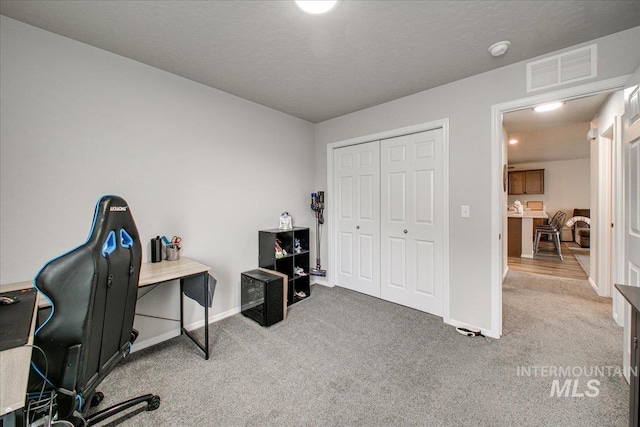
[347,359]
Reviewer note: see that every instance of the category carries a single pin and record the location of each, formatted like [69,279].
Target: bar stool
[551,230]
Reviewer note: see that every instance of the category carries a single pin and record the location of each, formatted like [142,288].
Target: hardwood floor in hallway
[548,263]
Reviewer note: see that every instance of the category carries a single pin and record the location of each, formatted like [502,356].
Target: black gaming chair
[93,291]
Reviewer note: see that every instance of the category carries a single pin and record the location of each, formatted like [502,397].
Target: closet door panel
[424,196]
[346,193]
[366,258]
[425,271]
[395,203]
[397,184]
[346,256]
[397,266]
[366,199]
[414,214]
[357,177]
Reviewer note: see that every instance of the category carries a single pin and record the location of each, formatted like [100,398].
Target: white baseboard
[323,282]
[213,319]
[617,320]
[153,341]
[593,285]
[504,275]
[172,334]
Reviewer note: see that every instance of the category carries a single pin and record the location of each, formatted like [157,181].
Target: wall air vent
[567,67]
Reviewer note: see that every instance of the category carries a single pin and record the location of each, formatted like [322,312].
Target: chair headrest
[112,222]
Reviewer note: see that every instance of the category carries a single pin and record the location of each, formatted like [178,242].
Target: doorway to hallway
[499,170]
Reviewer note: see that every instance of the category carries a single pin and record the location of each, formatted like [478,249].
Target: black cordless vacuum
[317,205]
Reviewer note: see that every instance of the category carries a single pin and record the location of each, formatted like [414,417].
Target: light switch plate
[465,211]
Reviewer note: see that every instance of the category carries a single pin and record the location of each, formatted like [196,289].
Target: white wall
[467,104]
[566,185]
[79,122]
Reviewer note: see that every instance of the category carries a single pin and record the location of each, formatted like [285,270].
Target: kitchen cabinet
[526,182]
[514,245]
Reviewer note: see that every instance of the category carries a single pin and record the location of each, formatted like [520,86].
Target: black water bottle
[156,249]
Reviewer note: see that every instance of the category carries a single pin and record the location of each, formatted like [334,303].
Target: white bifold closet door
[357,183]
[412,220]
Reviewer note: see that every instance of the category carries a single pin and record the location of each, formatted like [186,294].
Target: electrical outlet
[465,211]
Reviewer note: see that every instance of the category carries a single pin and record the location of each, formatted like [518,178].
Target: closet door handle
[357,227]
[405,231]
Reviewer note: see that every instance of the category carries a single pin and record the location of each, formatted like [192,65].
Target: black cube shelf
[293,261]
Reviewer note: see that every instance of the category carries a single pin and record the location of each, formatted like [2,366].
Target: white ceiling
[361,54]
[554,135]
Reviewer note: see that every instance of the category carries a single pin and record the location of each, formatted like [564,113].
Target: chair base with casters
[44,412]
[152,401]
[93,291]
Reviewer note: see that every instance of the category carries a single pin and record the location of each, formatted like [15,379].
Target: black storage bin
[261,297]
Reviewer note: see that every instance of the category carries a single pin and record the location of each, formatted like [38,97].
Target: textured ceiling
[361,54]
[575,111]
[554,135]
[566,142]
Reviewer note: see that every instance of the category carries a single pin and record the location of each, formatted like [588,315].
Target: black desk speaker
[261,297]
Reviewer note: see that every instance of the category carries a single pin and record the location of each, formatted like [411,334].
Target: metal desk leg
[182,306]
[205,347]
[205,277]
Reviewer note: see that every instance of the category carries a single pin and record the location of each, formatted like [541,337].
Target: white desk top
[16,286]
[150,273]
[528,214]
[158,272]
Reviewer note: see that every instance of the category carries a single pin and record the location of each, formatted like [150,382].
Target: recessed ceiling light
[499,48]
[548,107]
[513,141]
[316,6]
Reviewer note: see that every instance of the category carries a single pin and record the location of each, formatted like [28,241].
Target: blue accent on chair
[53,308]
[125,240]
[109,244]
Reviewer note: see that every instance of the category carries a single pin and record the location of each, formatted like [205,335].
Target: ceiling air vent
[561,69]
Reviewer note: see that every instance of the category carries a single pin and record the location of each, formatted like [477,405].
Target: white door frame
[619,213]
[332,212]
[497,208]
[612,270]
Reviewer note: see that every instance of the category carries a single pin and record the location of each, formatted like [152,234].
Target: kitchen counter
[528,214]
[521,235]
